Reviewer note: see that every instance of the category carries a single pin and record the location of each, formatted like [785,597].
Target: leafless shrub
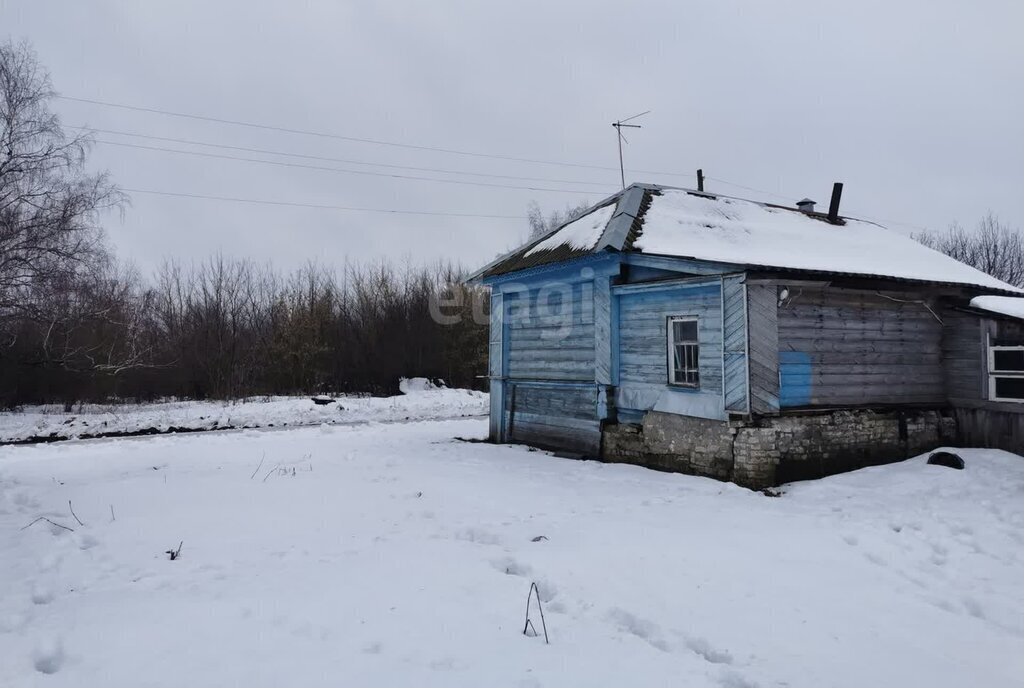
[993,247]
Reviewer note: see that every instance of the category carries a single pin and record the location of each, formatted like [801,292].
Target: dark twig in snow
[529,625]
[112,519]
[271,472]
[258,467]
[43,518]
[72,510]
[175,553]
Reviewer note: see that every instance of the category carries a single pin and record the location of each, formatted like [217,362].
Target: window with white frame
[1006,373]
[683,352]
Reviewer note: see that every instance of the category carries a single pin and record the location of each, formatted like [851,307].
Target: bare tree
[541,224]
[993,248]
[75,324]
[49,204]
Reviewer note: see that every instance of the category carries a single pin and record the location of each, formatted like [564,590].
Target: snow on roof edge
[1010,306]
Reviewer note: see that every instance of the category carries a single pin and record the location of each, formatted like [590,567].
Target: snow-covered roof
[690,224]
[582,233]
[732,230]
[1003,305]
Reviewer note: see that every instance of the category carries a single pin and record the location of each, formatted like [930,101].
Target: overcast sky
[916,105]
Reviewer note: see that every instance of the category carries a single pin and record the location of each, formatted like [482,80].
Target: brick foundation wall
[772,450]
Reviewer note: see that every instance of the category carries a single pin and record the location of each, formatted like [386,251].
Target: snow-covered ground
[397,555]
[419,401]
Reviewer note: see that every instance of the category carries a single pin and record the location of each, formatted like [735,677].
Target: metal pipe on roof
[833,207]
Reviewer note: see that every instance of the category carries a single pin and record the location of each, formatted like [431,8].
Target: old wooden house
[694,332]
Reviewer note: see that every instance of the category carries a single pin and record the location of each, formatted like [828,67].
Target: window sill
[675,386]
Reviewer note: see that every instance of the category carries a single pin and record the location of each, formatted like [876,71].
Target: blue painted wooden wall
[582,343]
[572,347]
[555,368]
[643,375]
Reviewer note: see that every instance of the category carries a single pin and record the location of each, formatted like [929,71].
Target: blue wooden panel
[579,269]
[735,382]
[688,266]
[550,305]
[495,366]
[642,273]
[631,415]
[734,337]
[554,415]
[551,330]
[643,314]
[763,347]
[614,324]
[794,378]
[602,331]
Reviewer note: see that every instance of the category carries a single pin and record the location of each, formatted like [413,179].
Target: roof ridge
[626,212]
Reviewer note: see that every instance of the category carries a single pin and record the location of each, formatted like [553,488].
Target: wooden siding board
[602,331]
[549,397]
[964,355]
[555,416]
[734,343]
[552,331]
[495,368]
[558,438]
[763,347]
[846,347]
[642,354]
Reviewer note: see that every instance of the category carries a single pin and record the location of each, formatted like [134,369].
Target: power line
[266,151]
[456,181]
[747,188]
[321,168]
[341,137]
[289,204]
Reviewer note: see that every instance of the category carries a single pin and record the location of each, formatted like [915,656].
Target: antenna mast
[619,124]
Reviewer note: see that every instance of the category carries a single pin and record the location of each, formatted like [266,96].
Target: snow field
[398,555]
[419,400]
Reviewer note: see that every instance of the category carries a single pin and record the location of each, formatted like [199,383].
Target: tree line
[229,328]
[76,324]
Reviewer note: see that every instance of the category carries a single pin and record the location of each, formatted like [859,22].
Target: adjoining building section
[694,332]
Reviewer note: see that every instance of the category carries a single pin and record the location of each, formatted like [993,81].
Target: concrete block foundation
[767,451]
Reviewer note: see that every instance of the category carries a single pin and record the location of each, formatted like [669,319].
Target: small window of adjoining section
[1006,373]
[683,352]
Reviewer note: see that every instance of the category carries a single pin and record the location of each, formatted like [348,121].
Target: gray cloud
[915,105]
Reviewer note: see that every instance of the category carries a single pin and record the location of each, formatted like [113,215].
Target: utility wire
[306,132]
[288,204]
[279,163]
[747,188]
[882,221]
[378,142]
[266,151]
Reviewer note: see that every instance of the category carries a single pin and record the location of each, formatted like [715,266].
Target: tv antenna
[619,124]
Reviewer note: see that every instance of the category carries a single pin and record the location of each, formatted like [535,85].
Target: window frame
[994,374]
[670,348]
